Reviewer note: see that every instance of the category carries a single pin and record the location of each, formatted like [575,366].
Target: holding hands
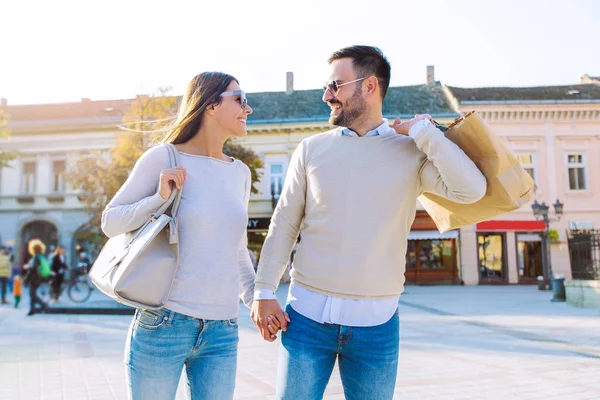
[269,318]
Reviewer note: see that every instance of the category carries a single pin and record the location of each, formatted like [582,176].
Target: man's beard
[350,112]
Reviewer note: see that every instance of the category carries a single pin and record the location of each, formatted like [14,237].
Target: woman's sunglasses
[334,87]
[243,100]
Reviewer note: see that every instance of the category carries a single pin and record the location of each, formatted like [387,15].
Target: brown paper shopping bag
[509,186]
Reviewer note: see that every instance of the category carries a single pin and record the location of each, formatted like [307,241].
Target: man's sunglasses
[334,86]
[243,100]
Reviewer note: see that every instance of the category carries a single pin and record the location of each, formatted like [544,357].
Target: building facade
[555,133]
[555,136]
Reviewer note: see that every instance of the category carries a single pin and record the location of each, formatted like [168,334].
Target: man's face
[347,103]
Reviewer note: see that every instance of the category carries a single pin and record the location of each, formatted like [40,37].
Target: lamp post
[540,212]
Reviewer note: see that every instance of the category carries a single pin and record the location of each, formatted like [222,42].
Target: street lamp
[540,212]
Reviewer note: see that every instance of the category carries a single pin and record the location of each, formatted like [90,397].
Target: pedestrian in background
[59,267]
[5,271]
[17,288]
[36,270]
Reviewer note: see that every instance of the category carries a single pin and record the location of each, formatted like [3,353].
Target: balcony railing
[584,253]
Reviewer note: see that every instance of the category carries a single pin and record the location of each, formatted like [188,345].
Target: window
[276,179]
[58,176]
[576,171]
[28,182]
[491,257]
[528,164]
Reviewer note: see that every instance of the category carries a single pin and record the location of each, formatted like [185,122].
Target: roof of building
[538,93]
[306,105]
[84,109]
[269,107]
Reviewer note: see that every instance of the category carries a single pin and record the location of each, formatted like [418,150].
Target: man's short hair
[367,61]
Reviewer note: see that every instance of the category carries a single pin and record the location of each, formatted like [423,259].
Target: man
[352,193]
[5,271]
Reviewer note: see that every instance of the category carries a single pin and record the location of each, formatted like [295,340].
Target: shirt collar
[382,129]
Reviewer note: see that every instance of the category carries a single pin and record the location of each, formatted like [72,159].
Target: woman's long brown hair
[202,92]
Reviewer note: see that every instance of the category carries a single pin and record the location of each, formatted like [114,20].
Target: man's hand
[402,128]
[269,318]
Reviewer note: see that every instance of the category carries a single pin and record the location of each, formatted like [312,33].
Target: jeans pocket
[233,322]
[151,320]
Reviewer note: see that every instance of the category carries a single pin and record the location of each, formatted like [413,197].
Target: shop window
[276,171]
[491,256]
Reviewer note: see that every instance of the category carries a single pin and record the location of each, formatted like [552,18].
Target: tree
[5,155]
[99,175]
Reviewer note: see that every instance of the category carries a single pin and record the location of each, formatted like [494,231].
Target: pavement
[480,342]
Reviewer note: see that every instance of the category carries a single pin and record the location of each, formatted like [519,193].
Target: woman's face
[229,114]
[61,251]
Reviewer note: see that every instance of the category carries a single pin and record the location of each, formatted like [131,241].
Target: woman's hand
[169,178]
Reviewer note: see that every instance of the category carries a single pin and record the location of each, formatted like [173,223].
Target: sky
[62,51]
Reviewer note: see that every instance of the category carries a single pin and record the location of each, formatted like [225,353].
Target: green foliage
[553,236]
[248,157]
[99,175]
[5,155]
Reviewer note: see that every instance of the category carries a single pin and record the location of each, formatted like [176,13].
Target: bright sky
[55,51]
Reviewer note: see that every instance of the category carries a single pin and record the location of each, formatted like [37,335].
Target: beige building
[35,201]
[554,130]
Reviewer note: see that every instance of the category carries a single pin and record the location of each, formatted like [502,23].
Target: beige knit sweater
[353,200]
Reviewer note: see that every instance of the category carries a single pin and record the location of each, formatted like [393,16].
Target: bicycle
[78,286]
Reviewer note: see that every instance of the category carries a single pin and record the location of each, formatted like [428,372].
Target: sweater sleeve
[138,198]
[447,171]
[247,274]
[285,223]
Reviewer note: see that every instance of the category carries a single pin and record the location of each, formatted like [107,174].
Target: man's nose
[327,95]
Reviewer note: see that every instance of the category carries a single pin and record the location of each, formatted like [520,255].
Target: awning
[511,225]
[424,235]
[528,237]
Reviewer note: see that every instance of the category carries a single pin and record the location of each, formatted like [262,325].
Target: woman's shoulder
[241,166]
[155,156]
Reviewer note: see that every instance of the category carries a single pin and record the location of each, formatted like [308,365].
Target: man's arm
[283,233]
[447,172]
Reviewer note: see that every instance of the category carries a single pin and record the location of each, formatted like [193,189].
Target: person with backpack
[5,270]
[37,269]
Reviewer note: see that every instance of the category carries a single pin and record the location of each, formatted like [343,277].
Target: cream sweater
[214,266]
[353,200]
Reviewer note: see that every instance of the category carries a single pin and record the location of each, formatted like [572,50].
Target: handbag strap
[175,162]
[175,196]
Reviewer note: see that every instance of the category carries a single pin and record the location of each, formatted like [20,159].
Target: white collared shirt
[326,309]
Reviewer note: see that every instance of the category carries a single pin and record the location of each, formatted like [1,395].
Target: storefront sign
[259,224]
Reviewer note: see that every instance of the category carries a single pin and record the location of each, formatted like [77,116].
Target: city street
[481,342]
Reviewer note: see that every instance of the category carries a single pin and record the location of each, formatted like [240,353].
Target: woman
[59,267]
[34,275]
[198,327]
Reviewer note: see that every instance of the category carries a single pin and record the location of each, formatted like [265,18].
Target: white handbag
[138,268]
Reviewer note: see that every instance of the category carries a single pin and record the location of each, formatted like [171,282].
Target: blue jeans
[161,343]
[367,357]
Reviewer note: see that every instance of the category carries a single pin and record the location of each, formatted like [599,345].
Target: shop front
[257,232]
[431,256]
[510,251]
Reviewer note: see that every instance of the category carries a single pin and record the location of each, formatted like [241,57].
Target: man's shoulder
[321,137]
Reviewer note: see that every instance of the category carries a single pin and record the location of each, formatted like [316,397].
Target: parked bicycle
[78,287]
